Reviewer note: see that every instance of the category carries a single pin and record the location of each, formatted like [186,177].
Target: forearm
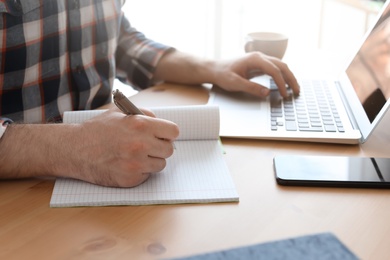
[29,150]
[232,75]
[111,149]
[184,68]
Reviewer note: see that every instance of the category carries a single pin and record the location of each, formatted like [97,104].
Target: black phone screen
[334,171]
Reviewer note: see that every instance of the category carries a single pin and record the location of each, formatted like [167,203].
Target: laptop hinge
[346,105]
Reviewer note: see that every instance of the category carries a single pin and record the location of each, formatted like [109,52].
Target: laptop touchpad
[234,100]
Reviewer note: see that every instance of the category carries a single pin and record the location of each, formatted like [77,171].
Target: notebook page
[195,173]
[195,122]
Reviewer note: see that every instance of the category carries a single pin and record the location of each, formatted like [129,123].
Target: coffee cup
[270,43]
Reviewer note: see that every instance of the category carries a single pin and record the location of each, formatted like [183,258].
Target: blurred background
[217,28]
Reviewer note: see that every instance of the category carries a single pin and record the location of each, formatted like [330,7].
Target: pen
[124,104]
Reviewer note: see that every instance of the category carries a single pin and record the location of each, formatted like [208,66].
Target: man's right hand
[111,149]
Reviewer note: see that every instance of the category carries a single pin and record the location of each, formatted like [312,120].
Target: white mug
[270,43]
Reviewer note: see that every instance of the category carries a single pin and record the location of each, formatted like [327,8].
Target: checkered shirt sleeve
[60,55]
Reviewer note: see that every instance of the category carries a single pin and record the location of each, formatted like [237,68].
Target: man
[63,55]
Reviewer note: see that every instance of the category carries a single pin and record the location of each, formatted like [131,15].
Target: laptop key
[276,114]
[291,126]
[311,111]
[303,125]
[312,129]
[330,128]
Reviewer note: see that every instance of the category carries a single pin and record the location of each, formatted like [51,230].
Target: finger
[147,112]
[165,129]
[155,165]
[282,76]
[270,68]
[288,76]
[252,88]
[131,180]
[161,149]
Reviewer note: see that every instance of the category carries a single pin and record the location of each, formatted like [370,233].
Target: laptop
[345,110]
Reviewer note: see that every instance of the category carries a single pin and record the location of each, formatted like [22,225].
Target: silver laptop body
[246,116]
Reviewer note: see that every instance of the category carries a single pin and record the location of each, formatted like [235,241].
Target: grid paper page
[195,122]
[195,173]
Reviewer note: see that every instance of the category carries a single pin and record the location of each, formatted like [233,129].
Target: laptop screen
[369,71]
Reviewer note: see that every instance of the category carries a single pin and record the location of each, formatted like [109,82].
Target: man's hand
[234,75]
[231,75]
[120,150]
[111,149]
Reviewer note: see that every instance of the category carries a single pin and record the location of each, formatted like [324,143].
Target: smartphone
[332,171]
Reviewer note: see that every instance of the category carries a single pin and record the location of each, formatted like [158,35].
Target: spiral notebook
[195,173]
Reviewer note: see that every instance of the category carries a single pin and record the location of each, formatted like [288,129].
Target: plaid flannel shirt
[59,55]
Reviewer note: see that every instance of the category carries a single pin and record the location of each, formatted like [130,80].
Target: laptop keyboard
[313,110]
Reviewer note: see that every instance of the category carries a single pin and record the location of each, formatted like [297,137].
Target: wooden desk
[29,229]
